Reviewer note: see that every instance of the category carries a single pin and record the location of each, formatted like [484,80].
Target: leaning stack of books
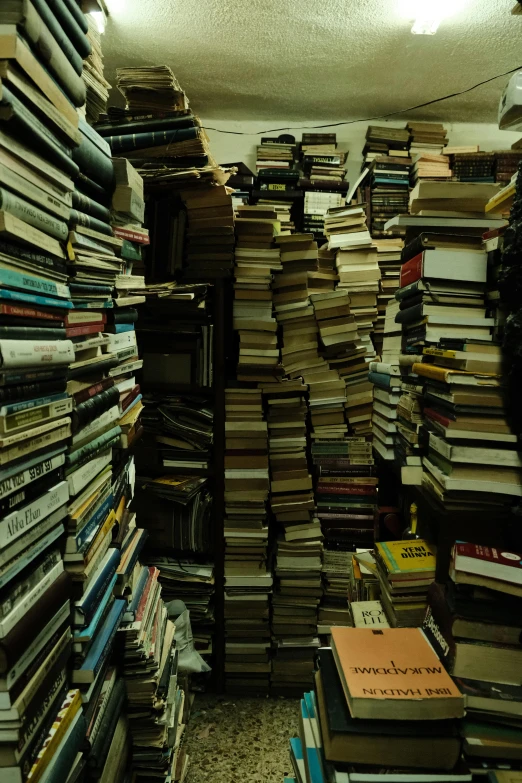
[247,579]
[405,570]
[427,137]
[473,623]
[96,84]
[430,166]
[348,731]
[256,258]
[389,184]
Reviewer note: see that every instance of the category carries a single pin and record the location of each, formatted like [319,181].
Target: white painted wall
[229,148]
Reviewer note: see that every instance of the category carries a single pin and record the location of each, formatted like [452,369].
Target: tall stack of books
[389,261]
[389,187]
[348,731]
[96,84]
[473,624]
[256,258]
[427,137]
[248,581]
[278,177]
[405,570]
[276,153]
[209,249]
[323,180]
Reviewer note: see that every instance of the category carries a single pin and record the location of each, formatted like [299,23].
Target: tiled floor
[231,740]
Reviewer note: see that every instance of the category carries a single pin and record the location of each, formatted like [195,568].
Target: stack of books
[406,570]
[334,608]
[247,579]
[389,186]
[389,261]
[473,166]
[430,166]
[316,205]
[347,731]
[275,153]
[450,200]
[473,624]
[209,243]
[427,137]
[506,165]
[97,86]
[346,228]
[385,140]
[323,178]
[154,702]
[256,258]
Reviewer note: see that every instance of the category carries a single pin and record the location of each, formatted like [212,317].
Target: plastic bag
[189,660]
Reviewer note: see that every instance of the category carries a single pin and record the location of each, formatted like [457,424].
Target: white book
[121,340]
[94,428]
[21,520]
[31,353]
[18,437]
[25,419]
[368,614]
[85,474]
[11,619]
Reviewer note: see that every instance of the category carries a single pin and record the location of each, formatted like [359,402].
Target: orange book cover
[393,673]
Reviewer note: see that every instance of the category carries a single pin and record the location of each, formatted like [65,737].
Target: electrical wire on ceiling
[368,119]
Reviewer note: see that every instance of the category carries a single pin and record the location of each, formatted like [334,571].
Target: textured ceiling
[316,59]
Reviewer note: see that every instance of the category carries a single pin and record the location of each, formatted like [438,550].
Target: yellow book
[413,556]
[446,375]
[62,722]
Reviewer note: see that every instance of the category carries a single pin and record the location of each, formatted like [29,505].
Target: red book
[30,312]
[411,271]
[487,561]
[132,236]
[153,576]
[435,416]
[92,391]
[130,397]
[78,331]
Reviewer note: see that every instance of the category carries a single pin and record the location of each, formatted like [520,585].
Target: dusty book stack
[389,261]
[97,86]
[256,258]
[323,179]
[427,137]
[248,580]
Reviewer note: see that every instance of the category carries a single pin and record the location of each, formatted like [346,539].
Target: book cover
[407,557]
[393,673]
[488,562]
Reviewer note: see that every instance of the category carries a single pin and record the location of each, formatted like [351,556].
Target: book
[101,646]
[406,560]
[487,567]
[440,265]
[398,664]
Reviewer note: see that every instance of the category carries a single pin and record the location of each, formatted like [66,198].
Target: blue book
[312,757]
[86,634]
[34,285]
[296,755]
[130,614]
[133,403]
[101,647]
[16,407]
[120,328]
[92,524]
[85,608]
[66,752]
[380,379]
[43,301]
[102,441]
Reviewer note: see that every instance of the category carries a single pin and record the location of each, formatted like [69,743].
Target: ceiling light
[427,15]
[99,18]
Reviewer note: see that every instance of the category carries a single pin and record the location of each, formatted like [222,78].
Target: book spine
[412,249]
[10,620]
[95,165]
[38,443]
[105,441]
[21,590]
[31,333]
[86,608]
[43,301]
[145,126]
[88,206]
[73,24]
[70,707]
[80,331]
[15,182]
[28,476]
[15,438]
[100,749]
[81,219]
[58,33]
[86,394]
[77,317]
[409,315]
[103,642]
[138,141]
[411,271]
[132,236]
[19,311]
[27,353]
[94,407]
[23,496]
[29,390]
[81,477]
[25,211]
[22,520]
[36,730]
[93,523]
[18,407]
[48,50]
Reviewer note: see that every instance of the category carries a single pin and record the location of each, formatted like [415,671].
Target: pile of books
[473,624]
[323,178]
[316,205]
[275,153]
[248,581]
[427,137]
[430,166]
[336,570]
[405,569]
[97,86]
[385,140]
[347,731]
[506,164]
[209,248]
[474,166]
[389,261]
[389,187]
[257,257]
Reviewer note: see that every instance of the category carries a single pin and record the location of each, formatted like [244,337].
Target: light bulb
[99,18]
[427,15]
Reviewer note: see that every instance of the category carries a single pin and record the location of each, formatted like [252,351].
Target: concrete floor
[234,740]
